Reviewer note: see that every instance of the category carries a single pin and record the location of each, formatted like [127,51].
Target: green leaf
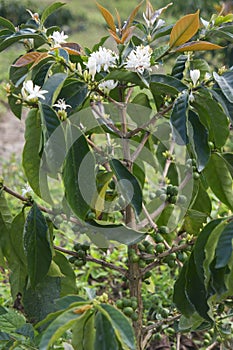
[49,10]
[172,82]
[83,332]
[198,136]
[31,159]
[117,232]
[74,93]
[202,202]
[224,247]
[5,225]
[105,337]
[180,297]
[120,324]
[49,119]
[179,119]
[58,327]
[219,179]
[40,301]
[7,24]
[11,320]
[128,184]
[16,108]
[225,83]
[21,35]
[36,245]
[213,117]
[228,157]
[68,281]
[79,173]
[125,76]
[179,67]
[194,221]
[17,259]
[53,85]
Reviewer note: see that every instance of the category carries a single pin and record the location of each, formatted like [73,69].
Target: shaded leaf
[225,83]
[198,136]
[11,320]
[83,332]
[169,80]
[53,85]
[31,158]
[224,247]
[105,337]
[5,23]
[198,46]
[68,280]
[219,179]
[79,175]
[179,119]
[179,67]
[128,184]
[184,29]
[36,245]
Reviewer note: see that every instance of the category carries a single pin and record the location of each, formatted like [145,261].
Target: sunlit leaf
[107,16]
[198,46]
[184,29]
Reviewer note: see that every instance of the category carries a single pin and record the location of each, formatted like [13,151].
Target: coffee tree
[128,146]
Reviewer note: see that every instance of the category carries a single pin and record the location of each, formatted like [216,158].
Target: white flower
[191,97]
[139,59]
[99,60]
[26,190]
[58,38]
[195,75]
[30,92]
[61,104]
[108,85]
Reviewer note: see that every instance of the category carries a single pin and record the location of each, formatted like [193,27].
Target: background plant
[155,195]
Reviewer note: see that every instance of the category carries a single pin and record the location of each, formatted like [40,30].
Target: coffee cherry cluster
[170,195]
[128,307]
[191,165]
[79,259]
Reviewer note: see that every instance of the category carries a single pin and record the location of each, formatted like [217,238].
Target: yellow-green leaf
[184,29]
[108,17]
[198,46]
[27,59]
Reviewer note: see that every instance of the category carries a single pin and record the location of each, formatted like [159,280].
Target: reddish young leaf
[198,46]
[108,17]
[27,59]
[184,29]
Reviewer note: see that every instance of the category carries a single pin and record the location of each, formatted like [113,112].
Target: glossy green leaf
[213,117]
[49,10]
[68,280]
[224,247]
[180,296]
[179,119]
[49,119]
[74,93]
[58,327]
[117,232]
[228,157]
[83,332]
[21,35]
[31,158]
[105,337]
[197,296]
[198,136]
[179,67]
[16,108]
[37,246]
[168,80]
[120,324]
[125,76]
[5,23]
[79,173]
[219,179]
[225,83]
[53,85]
[128,184]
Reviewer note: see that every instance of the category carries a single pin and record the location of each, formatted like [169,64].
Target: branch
[140,147]
[103,263]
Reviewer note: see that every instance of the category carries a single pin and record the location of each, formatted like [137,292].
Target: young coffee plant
[127,154]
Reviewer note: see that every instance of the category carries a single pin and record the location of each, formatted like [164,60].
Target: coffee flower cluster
[139,59]
[99,60]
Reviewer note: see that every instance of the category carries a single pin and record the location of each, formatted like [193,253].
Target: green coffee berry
[163,197]
[163,229]
[159,192]
[182,199]
[158,238]
[134,316]
[173,199]
[142,263]
[119,304]
[79,263]
[160,248]
[135,258]
[77,246]
[128,311]
[126,302]
[134,304]
[196,175]
[72,259]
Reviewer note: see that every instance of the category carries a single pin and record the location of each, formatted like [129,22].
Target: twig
[212,345]
[140,147]
[168,161]
[110,99]
[97,261]
[105,120]
[178,336]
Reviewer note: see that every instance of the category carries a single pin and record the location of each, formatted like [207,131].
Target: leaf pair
[120,34]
